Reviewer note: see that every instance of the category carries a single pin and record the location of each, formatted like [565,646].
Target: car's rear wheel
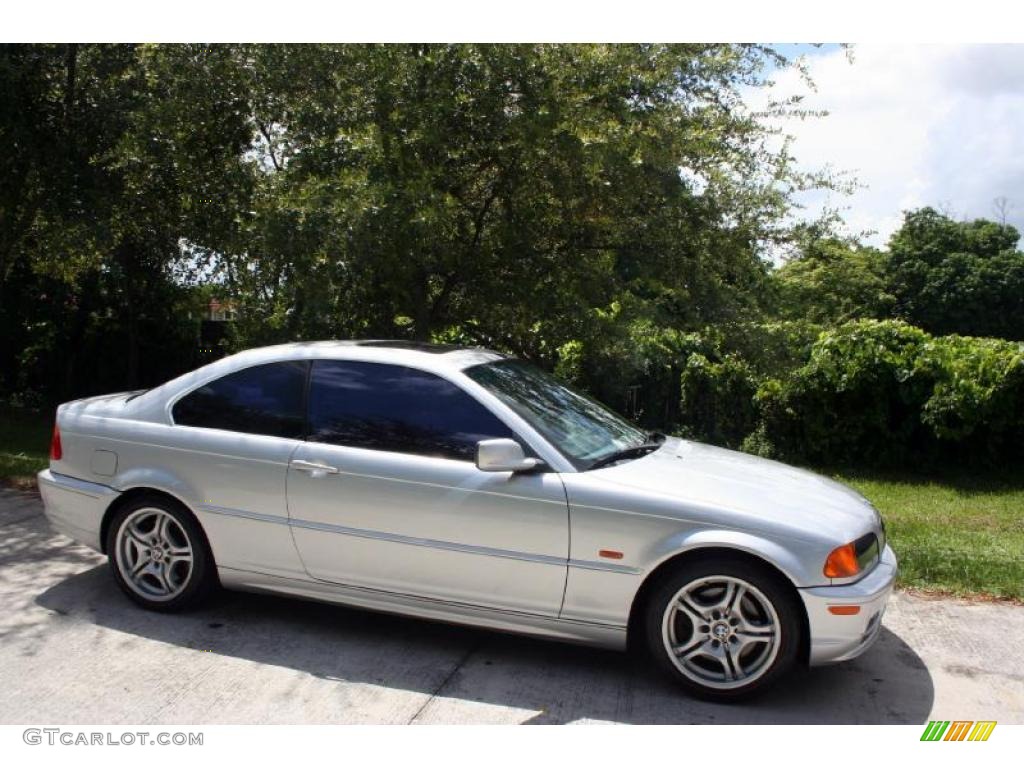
[723,628]
[159,555]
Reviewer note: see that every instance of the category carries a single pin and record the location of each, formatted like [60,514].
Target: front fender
[799,561]
[605,593]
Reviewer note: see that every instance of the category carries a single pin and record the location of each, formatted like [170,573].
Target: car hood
[747,487]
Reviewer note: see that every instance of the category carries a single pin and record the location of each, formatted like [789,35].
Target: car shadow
[559,683]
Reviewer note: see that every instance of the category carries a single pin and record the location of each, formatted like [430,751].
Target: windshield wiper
[634,452]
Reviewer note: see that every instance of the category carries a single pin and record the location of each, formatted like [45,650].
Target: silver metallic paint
[440,538]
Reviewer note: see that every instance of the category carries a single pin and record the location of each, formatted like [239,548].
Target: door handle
[314,469]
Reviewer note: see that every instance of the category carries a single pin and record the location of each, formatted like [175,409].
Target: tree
[124,152]
[957,277]
[526,197]
[831,280]
[507,195]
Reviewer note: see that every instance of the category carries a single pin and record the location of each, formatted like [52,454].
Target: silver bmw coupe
[462,485]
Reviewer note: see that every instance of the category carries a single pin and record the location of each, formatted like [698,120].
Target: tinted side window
[262,400]
[393,408]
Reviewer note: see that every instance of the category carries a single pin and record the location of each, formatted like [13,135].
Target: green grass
[956,533]
[24,444]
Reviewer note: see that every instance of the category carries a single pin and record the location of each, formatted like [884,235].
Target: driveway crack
[448,678]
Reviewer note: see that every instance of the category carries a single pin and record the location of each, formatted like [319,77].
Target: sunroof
[413,346]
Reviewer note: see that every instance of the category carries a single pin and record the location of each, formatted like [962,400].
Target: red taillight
[55,449]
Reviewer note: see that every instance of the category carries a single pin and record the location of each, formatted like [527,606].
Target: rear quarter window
[262,400]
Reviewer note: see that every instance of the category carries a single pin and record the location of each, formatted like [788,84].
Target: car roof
[437,358]
[415,346]
[417,354]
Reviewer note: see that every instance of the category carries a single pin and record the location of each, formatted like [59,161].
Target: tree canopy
[962,277]
[942,275]
[831,280]
[503,194]
[611,212]
[513,195]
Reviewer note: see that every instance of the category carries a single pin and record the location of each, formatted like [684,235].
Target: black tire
[186,588]
[768,659]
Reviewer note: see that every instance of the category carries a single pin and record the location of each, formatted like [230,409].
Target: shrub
[773,349]
[884,392]
[636,370]
[865,392]
[858,398]
[978,400]
[717,399]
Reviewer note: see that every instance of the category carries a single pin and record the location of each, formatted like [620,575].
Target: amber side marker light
[611,554]
[842,562]
[55,448]
[844,610]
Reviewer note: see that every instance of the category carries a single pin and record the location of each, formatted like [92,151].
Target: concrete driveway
[74,650]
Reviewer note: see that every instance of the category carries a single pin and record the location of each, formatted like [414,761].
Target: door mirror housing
[503,455]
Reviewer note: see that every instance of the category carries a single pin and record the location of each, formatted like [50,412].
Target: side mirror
[503,455]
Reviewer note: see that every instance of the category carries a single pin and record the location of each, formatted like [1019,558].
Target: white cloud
[917,125]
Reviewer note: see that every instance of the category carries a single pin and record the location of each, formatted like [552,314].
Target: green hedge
[883,392]
[888,393]
[858,397]
[718,399]
[866,392]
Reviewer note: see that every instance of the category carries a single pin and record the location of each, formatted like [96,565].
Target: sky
[916,125]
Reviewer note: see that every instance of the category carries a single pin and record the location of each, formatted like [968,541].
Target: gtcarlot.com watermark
[69,738]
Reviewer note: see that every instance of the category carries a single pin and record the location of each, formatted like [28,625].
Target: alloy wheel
[154,554]
[721,632]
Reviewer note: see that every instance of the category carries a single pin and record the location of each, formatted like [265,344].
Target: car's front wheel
[723,628]
[159,555]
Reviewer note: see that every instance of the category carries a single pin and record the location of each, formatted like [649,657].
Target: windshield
[582,429]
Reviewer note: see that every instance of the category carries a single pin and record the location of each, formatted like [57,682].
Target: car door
[230,445]
[385,494]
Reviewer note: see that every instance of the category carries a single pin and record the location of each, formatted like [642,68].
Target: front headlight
[850,559]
